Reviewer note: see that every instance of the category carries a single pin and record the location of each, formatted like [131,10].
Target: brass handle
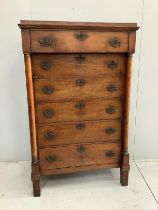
[110,130]
[49,135]
[115,42]
[46,66]
[80,126]
[80,105]
[80,58]
[109,153]
[51,158]
[111,88]
[112,65]
[81,36]
[80,82]
[45,42]
[48,113]
[48,90]
[81,148]
[110,109]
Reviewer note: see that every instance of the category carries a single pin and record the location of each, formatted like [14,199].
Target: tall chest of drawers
[78,87]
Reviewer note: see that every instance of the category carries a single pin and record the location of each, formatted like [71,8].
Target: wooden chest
[78,85]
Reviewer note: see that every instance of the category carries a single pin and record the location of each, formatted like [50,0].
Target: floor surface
[97,190]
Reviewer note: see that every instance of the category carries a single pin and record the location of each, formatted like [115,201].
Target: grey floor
[95,190]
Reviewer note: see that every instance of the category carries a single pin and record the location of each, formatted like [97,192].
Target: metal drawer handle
[112,65]
[80,105]
[49,135]
[81,36]
[50,158]
[110,109]
[80,58]
[111,88]
[80,126]
[110,130]
[48,90]
[115,42]
[81,148]
[80,82]
[109,153]
[45,42]
[46,66]
[48,113]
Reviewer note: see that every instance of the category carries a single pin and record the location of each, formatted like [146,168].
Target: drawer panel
[70,133]
[78,41]
[78,110]
[60,65]
[79,155]
[79,88]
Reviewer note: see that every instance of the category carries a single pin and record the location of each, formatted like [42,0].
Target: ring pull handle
[81,36]
[110,130]
[115,42]
[48,90]
[50,158]
[111,88]
[110,110]
[49,113]
[46,66]
[109,154]
[49,135]
[112,65]
[46,42]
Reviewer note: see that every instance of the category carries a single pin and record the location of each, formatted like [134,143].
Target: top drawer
[78,41]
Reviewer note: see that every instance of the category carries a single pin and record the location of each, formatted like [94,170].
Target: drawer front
[78,110]
[79,155]
[79,88]
[78,41]
[69,133]
[60,65]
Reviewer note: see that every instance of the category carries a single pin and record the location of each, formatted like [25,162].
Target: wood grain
[31,106]
[67,111]
[66,42]
[78,132]
[127,102]
[74,169]
[32,24]
[70,88]
[69,65]
[68,156]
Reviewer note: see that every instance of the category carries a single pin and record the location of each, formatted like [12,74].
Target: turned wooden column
[35,176]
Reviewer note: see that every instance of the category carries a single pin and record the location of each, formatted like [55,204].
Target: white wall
[14,135]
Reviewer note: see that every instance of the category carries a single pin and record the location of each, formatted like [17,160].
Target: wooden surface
[31,24]
[69,156]
[31,106]
[77,65]
[78,132]
[70,88]
[127,101]
[79,88]
[67,111]
[67,42]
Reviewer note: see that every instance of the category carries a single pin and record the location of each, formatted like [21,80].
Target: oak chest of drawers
[78,80]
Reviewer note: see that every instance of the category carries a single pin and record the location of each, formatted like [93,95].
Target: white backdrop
[14,129]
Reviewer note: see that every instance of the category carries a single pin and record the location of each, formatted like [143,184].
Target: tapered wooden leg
[36,188]
[35,177]
[124,170]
